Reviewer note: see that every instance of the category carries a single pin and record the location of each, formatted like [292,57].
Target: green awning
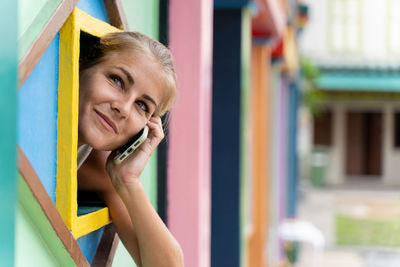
[359,81]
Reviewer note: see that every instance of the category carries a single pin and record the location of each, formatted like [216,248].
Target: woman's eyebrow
[127,74]
[150,99]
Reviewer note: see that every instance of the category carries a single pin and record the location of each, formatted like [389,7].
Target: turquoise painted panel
[8,89]
[37,117]
[359,82]
[94,8]
[32,17]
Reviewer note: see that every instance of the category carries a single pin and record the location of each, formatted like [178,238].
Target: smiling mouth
[107,122]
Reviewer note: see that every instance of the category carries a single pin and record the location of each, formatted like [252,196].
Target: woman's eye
[142,106]
[117,80]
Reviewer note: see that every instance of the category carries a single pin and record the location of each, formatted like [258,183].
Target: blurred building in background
[356,47]
[225,179]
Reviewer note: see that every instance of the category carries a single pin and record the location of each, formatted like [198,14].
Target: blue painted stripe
[292,150]
[37,117]
[88,243]
[226,117]
[94,8]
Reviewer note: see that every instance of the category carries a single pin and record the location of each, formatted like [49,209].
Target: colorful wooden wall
[227,175]
[39,120]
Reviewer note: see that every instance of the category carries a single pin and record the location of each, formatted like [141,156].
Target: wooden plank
[260,97]
[35,52]
[106,249]
[47,205]
[32,17]
[230,70]
[88,223]
[67,121]
[116,14]
[190,130]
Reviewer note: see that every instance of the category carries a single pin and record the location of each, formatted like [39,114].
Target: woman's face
[117,97]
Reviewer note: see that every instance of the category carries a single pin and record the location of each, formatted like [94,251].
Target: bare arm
[140,228]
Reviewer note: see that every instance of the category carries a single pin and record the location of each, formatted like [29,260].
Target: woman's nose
[122,108]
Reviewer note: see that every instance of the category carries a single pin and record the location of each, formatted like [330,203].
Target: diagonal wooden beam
[49,209]
[116,14]
[106,249]
[39,46]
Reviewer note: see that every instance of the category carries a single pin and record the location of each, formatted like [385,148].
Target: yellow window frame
[67,123]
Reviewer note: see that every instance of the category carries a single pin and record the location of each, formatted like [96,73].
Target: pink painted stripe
[189,164]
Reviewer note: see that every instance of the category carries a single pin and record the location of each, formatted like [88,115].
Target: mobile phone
[131,145]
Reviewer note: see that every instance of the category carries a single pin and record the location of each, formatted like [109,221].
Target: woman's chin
[96,141]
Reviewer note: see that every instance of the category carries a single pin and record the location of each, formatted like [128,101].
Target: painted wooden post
[269,165]
[190,129]
[261,134]
[8,75]
[293,175]
[231,60]
[283,163]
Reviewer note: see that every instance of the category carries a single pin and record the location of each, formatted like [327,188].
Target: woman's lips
[107,122]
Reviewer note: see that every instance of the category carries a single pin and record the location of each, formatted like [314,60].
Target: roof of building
[379,79]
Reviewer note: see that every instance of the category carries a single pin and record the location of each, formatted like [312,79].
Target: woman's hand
[129,170]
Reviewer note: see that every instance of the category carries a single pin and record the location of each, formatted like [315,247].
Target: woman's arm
[140,228]
[92,176]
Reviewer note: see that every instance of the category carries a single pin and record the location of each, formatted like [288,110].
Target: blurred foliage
[310,71]
[312,97]
[367,232]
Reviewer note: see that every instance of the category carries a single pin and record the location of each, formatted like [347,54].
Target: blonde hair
[115,42]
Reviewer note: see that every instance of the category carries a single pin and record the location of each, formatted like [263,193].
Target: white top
[83,153]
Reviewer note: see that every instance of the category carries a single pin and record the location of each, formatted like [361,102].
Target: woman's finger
[156,125]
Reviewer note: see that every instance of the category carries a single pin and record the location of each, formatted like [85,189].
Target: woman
[127,81]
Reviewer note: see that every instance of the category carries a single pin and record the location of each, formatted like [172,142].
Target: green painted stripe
[43,227]
[29,244]
[142,16]
[359,82]
[244,133]
[8,89]
[32,17]
[149,179]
